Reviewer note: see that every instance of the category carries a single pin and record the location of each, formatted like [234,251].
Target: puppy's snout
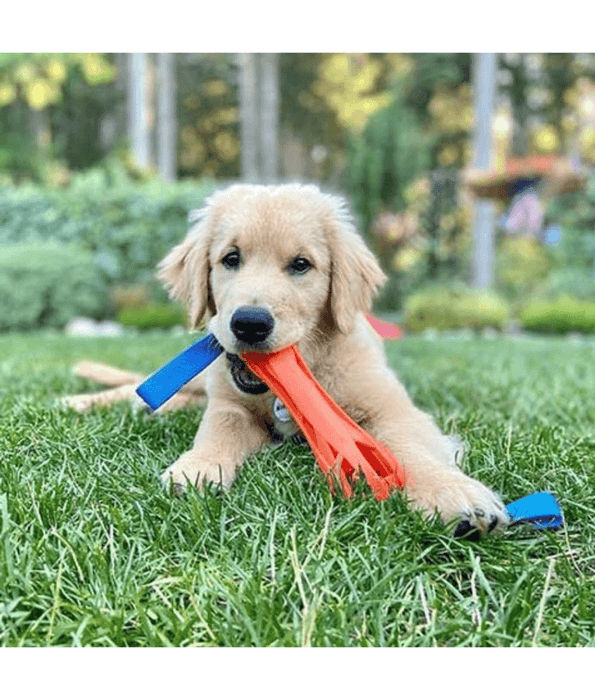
[251,324]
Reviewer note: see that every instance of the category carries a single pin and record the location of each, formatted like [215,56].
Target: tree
[167,130]
[139,109]
[249,114]
[259,116]
[269,116]
[207,96]
[385,159]
[51,106]
[484,81]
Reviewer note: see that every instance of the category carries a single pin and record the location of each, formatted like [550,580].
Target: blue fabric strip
[541,509]
[165,382]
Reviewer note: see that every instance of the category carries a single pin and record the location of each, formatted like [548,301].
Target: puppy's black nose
[251,324]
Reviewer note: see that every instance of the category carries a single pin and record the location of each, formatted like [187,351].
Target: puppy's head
[272,266]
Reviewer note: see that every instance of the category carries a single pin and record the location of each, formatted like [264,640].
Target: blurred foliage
[576,214]
[327,97]
[528,270]
[127,226]
[385,158]
[152,316]
[76,123]
[47,284]
[455,306]
[522,264]
[383,162]
[566,314]
[51,108]
[208,113]
[391,129]
[349,84]
[38,79]
[549,96]
[577,282]
[440,94]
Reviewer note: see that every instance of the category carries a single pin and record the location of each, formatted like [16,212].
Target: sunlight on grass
[94,552]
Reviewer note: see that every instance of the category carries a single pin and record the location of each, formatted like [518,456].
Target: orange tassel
[341,447]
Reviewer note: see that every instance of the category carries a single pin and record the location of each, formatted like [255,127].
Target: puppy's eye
[232,260]
[298,266]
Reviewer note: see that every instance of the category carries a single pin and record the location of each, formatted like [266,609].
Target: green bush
[447,308]
[152,316]
[575,212]
[127,226]
[522,264]
[47,285]
[575,282]
[565,314]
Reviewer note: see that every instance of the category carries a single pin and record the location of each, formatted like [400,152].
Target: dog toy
[168,380]
[385,330]
[340,446]
[541,509]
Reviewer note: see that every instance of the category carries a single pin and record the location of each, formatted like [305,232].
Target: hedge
[48,284]
[565,314]
[442,308]
[127,226]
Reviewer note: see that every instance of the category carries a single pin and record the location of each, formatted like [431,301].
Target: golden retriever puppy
[272,266]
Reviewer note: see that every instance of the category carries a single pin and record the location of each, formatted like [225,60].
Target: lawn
[94,552]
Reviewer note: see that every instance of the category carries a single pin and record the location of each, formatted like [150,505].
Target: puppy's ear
[355,274]
[186,269]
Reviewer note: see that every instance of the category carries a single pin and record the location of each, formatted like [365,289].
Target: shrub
[565,314]
[446,308]
[522,264]
[152,316]
[127,226]
[47,285]
[123,296]
[575,282]
[575,212]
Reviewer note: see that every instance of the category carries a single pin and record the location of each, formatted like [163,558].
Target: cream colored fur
[323,312]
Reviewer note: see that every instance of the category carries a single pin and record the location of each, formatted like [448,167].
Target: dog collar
[165,382]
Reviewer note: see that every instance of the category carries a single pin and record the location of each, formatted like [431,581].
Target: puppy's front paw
[458,497]
[191,469]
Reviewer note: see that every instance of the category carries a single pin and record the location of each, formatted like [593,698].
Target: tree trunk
[139,109]
[484,74]
[166,117]
[259,116]
[249,128]
[269,116]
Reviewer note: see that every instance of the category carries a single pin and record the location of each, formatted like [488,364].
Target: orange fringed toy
[340,446]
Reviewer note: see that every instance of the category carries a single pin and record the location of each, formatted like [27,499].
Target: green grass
[93,551]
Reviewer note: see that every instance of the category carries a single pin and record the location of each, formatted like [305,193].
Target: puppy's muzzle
[252,324]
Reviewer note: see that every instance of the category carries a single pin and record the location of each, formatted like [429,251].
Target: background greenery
[391,131]
[91,248]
